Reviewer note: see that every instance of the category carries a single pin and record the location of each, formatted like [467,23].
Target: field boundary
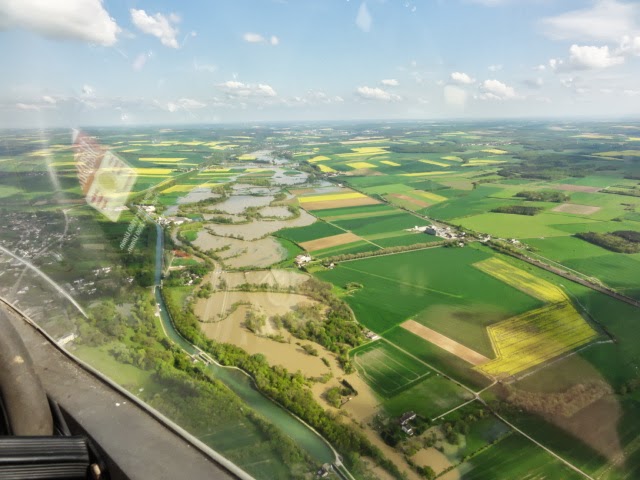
[445,343]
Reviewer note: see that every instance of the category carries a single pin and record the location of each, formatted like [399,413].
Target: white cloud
[88,91]
[390,82]
[27,106]
[455,96]
[631,93]
[495,68]
[462,78]
[605,20]
[187,104]
[234,88]
[363,19]
[250,37]
[49,99]
[588,57]
[496,90]
[375,93]
[540,68]
[630,45]
[84,20]
[158,25]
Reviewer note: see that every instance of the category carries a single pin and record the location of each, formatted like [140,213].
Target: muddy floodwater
[239,203]
[260,228]
[273,278]
[242,253]
[280,212]
[196,195]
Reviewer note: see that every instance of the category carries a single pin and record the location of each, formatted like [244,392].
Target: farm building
[302,259]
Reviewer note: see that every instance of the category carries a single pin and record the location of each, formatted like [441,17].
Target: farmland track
[477,397]
[576,279]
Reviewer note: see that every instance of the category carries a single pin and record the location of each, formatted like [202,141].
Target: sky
[69,63]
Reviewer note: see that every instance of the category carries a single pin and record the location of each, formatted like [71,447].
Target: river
[243,386]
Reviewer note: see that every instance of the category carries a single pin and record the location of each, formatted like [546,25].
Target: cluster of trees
[518,210]
[630,193]
[289,389]
[254,321]
[615,241]
[544,196]
[383,251]
[329,323]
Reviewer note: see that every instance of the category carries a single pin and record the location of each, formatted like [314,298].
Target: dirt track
[451,346]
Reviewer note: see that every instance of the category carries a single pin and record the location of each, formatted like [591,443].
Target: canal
[242,385]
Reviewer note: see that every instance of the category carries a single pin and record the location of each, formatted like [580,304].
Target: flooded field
[273,278]
[238,203]
[242,253]
[247,189]
[436,460]
[260,228]
[196,195]
[280,212]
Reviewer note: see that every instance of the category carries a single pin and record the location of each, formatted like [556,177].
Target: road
[477,397]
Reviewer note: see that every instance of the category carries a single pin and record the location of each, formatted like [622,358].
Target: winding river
[242,384]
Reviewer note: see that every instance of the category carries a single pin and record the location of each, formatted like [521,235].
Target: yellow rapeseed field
[522,280]
[330,196]
[180,188]
[325,168]
[534,337]
[429,195]
[153,171]
[162,159]
[495,151]
[319,158]
[425,174]
[389,162]
[246,156]
[452,158]
[362,165]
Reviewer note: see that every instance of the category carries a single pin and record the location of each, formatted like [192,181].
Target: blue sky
[113,62]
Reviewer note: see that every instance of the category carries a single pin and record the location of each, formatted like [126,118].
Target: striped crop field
[534,337]
[162,159]
[325,168]
[433,162]
[153,171]
[522,280]
[330,197]
[429,196]
[319,158]
[425,174]
[495,151]
[362,165]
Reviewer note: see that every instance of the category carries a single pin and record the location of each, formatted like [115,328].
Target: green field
[388,223]
[431,397]
[619,271]
[444,361]
[401,286]
[388,370]
[311,232]
[515,457]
